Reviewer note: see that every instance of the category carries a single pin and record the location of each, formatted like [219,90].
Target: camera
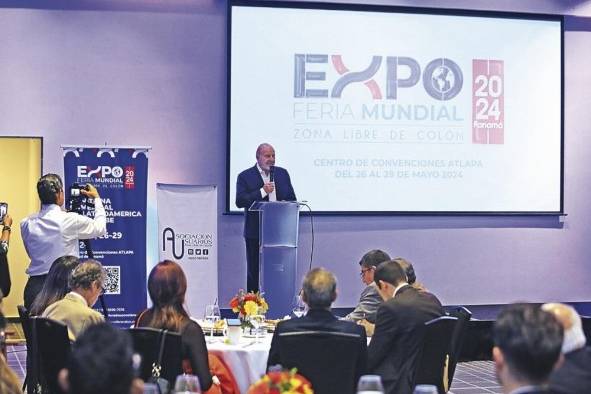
[3,210]
[77,202]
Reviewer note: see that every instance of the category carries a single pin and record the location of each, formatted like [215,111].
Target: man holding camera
[52,232]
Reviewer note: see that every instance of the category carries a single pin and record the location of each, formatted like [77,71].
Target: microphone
[271,173]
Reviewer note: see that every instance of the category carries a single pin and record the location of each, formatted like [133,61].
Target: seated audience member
[75,309]
[55,286]
[394,349]
[573,376]
[167,286]
[101,362]
[527,343]
[5,282]
[370,299]
[411,279]
[319,291]
[9,381]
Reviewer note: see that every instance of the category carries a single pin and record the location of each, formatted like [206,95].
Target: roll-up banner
[187,228]
[120,175]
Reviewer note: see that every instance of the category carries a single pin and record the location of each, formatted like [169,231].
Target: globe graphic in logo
[117,172]
[442,79]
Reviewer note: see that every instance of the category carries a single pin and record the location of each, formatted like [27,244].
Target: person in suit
[262,182]
[370,298]
[527,342]
[396,343]
[573,376]
[319,292]
[75,309]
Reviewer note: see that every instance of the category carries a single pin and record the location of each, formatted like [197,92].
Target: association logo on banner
[193,246]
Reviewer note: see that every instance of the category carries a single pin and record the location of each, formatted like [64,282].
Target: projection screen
[383,109]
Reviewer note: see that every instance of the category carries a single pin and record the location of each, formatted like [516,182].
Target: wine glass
[370,384]
[187,384]
[299,307]
[212,315]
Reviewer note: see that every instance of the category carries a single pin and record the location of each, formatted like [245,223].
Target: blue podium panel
[278,237]
[279,224]
[278,279]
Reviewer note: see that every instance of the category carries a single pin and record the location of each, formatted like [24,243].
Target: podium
[278,254]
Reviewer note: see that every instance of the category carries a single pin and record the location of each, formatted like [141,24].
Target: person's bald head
[319,289]
[567,316]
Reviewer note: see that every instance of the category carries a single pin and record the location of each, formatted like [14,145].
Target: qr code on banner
[113,282]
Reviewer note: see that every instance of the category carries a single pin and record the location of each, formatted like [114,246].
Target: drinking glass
[212,315]
[258,322]
[299,308]
[150,388]
[370,384]
[187,384]
[425,389]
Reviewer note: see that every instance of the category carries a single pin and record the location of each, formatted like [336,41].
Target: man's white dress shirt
[266,179]
[52,233]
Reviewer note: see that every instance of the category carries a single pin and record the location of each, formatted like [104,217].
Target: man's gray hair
[85,273]
[319,288]
[260,148]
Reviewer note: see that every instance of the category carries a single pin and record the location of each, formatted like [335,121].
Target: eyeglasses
[363,271]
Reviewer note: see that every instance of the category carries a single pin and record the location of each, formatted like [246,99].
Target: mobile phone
[3,210]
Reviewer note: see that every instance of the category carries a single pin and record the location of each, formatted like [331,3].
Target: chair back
[327,359]
[53,347]
[31,378]
[147,343]
[478,341]
[433,362]
[457,338]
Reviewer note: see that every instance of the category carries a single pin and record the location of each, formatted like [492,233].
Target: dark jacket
[322,355]
[248,190]
[398,336]
[574,375]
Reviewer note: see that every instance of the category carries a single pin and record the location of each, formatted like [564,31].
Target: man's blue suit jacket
[248,190]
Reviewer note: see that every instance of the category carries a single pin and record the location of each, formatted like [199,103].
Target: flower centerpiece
[282,382]
[247,305]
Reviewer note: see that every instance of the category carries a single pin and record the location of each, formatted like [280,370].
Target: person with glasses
[370,299]
[75,309]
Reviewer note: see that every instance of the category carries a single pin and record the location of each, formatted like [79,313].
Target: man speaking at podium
[262,182]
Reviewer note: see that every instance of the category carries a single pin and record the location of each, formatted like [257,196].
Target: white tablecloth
[247,360]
